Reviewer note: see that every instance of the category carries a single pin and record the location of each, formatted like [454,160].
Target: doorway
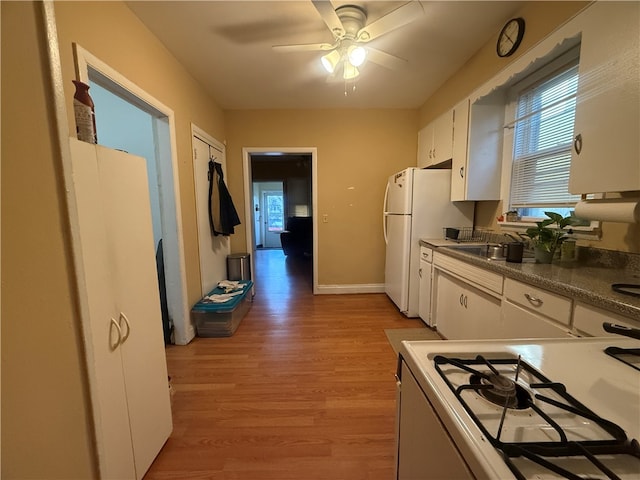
[270,214]
[159,149]
[268,208]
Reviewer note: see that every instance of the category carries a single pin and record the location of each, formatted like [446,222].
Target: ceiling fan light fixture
[350,72]
[330,61]
[357,55]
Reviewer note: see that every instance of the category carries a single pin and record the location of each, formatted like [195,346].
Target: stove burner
[522,450]
[500,390]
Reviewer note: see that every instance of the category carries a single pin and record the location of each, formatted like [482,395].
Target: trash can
[239,266]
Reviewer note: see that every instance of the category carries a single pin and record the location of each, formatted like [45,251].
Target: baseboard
[345,289]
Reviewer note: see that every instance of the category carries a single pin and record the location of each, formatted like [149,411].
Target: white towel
[229,285]
[221,297]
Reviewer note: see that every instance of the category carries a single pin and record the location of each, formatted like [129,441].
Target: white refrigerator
[417,205]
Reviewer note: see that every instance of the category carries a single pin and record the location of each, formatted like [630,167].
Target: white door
[396,272]
[123,180]
[272,218]
[213,250]
[108,394]
[464,312]
[125,353]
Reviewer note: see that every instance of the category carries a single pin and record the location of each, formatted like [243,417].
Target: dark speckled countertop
[589,279]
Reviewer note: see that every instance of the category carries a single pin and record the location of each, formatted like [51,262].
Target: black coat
[222,213]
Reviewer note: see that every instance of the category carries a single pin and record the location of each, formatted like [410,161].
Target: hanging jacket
[222,213]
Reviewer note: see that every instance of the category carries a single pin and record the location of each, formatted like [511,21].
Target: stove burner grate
[542,453]
[500,390]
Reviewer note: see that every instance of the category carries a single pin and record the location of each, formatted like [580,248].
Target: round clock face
[510,37]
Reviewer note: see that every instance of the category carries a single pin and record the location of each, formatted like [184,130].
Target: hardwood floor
[304,389]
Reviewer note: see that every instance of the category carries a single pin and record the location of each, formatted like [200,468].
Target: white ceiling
[226,46]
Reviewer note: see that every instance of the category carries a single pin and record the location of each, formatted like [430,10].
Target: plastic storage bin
[221,319]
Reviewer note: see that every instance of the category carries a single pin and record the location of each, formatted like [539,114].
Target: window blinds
[543,140]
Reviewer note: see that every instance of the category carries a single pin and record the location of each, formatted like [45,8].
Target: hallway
[303,390]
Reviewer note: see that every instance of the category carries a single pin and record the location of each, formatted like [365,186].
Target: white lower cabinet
[464,312]
[122,325]
[425,272]
[471,303]
[588,320]
[532,312]
[518,322]
[425,450]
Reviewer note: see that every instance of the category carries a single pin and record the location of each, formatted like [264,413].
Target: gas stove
[539,409]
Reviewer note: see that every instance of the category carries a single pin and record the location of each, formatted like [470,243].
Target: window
[542,142]
[275,211]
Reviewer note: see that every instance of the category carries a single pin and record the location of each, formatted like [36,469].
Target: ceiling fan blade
[399,17]
[303,47]
[330,17]
[385,59]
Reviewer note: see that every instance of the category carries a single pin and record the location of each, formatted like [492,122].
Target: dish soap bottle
[84,110]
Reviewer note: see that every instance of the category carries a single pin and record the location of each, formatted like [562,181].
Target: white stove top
[603,384]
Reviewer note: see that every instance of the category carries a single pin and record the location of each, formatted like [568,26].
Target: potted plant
[548,234]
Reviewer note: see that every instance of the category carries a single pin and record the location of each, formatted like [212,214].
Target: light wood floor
[303,390]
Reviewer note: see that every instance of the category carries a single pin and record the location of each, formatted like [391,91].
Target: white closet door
[104,361]
[128,217]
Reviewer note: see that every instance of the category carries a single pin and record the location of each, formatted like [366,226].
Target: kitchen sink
[490,251]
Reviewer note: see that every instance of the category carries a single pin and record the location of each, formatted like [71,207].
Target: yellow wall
[541,18]
[45,417]
[46,427]
[357,151]
[138,55]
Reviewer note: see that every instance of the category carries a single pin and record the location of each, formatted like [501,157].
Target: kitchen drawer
[426,254]
[483,279]
[520,322]
[588,320]
[538,300]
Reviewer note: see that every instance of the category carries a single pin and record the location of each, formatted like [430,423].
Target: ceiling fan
[348,24]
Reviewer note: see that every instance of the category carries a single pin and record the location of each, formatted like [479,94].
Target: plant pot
[542,255]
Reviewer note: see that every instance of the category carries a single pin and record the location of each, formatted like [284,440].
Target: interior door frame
[171,211]
[248,198]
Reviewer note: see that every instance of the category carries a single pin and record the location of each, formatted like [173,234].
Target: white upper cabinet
[477,149]
[435,141]
[606,155]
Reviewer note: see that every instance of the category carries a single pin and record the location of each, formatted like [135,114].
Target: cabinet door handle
[577,143]
[535,301]
[114,345]
[462,299]
[465,301]
[461,172]
[126,322]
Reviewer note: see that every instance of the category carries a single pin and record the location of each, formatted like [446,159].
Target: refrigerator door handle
[384,214]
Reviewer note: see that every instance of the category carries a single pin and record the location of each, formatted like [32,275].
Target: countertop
[588,282]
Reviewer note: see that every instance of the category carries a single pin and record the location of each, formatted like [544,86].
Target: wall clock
[510,37]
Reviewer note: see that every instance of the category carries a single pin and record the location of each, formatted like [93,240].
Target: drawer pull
[535,301]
